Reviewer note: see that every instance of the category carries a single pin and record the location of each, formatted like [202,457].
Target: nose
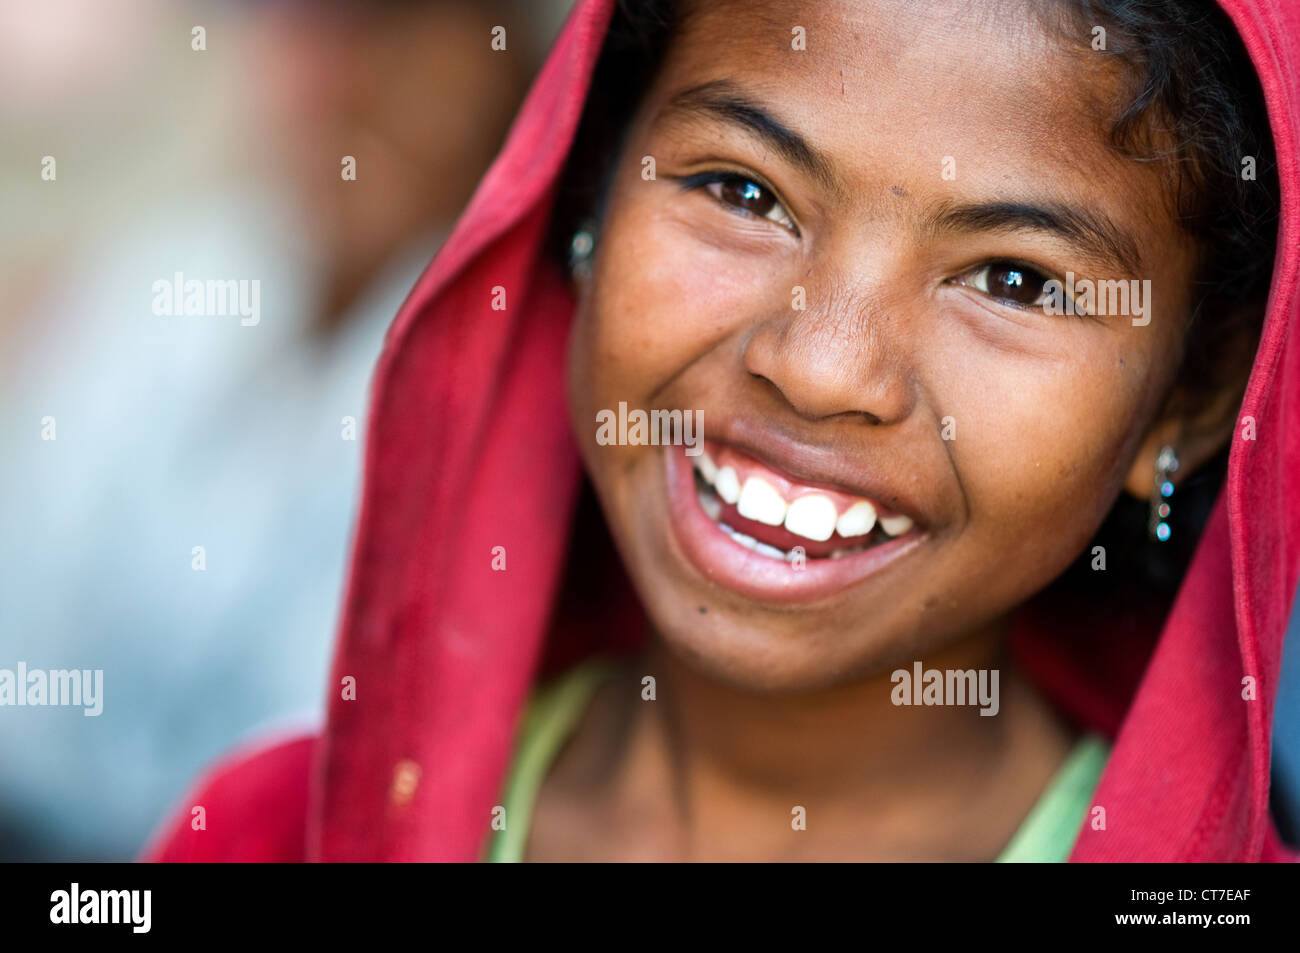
[844,355]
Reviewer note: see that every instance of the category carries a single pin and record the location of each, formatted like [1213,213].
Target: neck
[726,753]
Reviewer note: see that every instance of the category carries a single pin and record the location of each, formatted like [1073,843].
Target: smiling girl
[831,231]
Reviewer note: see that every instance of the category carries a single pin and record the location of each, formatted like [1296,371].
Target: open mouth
[780,519]
[760,532]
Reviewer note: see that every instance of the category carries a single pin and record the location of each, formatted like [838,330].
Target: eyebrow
[724,101]
[1092,232]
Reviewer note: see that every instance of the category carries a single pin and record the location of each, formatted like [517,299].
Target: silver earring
[1158,522]
[580,250]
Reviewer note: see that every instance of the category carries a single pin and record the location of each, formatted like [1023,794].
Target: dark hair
[1193,104]
[634,47]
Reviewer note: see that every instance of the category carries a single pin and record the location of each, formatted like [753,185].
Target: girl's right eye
[743,194]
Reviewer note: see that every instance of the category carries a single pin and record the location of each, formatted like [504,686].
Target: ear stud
[581,248]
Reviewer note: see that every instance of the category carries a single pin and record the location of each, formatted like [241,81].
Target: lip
[728,564]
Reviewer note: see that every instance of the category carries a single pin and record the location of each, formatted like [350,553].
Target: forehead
[1009,89]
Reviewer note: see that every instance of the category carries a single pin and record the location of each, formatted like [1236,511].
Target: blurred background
[186,529]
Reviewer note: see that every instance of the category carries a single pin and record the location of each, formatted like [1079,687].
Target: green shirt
[1046,836]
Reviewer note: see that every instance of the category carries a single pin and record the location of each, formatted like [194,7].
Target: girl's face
[838,267]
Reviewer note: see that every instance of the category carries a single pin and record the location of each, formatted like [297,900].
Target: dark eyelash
[701,179]
[1034,269]
[1012,265]
[698,180]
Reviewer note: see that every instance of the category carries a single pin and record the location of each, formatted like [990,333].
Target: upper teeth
[727,483]
[812,516]
[857,520]
[760,501]
[708,469]
[896,525]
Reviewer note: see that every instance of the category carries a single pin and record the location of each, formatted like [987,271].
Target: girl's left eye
[1010,282]
[744,194]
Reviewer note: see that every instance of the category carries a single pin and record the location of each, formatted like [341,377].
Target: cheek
[681,273]
[661,300]
[1041,447]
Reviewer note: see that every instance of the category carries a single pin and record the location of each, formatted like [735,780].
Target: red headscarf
[469,449]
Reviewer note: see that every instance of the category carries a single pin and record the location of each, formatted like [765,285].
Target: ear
[1195,441]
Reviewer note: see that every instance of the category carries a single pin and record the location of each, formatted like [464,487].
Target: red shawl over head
[468,449]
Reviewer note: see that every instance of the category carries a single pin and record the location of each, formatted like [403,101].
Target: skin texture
[761,706]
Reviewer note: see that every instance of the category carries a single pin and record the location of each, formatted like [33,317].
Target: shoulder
[254,808]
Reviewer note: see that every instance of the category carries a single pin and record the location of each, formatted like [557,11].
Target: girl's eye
[1010,282]
[748,196]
